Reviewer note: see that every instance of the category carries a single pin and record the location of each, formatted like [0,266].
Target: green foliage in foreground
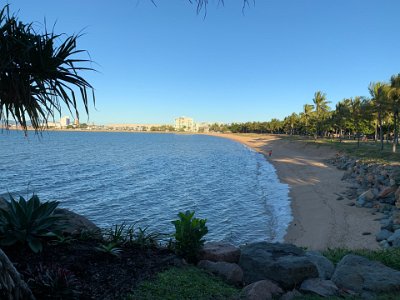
[189,234]
[389,257]
[28,222]
[184,283]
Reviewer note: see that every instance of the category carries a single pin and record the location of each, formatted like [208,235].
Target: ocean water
[148,178]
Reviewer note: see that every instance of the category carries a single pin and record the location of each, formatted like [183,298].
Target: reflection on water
[149,178]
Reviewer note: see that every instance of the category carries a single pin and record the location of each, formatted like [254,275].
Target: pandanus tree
[321,108]
[39,74]
[379,94]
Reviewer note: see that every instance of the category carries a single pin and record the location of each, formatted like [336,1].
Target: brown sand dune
[320,221]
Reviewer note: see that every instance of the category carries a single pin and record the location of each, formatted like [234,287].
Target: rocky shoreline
[284,271]
[376,187]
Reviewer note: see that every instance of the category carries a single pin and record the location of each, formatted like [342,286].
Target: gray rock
[394,239]
[285,264]
[384,234]
[291,295]
[232,273]
[3,203]
[384,244]
[324,288]
[261,290]
[386,224]
[76,224]
[361,275]
[220,251]
[325,266]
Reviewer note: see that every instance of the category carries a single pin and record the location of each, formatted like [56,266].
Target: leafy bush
[110,248]
[189,232]
[28,222]
[124,234]
[53,283]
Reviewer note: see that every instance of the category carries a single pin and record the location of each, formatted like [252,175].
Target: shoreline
[320,220]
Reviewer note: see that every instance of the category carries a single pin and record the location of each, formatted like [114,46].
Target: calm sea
[149,178]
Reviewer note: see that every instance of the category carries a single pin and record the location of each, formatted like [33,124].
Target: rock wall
[377,187]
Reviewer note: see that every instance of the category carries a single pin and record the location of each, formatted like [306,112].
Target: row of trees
[356,117]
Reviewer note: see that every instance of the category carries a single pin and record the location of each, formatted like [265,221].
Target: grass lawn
[184,283]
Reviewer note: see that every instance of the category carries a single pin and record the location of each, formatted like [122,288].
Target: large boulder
[220,251]
[261,290]
[232,273]
[383,235]
[75,224]
[285,264]
[394,239]
[358,274]
[324,288]
[325,266]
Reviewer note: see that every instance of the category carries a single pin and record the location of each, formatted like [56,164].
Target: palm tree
[378,92]
[341,116]
[321,108]
[307,111]
[38,74]
[394,96]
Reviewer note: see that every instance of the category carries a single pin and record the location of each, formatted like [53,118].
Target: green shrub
[110,248]
[28,222]
[189,232]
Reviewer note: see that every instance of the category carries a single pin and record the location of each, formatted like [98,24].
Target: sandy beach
[320,221]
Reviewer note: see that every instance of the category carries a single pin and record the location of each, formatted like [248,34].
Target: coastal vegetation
[39,73]
[355,118]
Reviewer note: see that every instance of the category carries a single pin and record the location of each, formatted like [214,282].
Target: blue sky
[157,63]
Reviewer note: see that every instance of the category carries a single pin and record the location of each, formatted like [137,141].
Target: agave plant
[38,73]
[28,222]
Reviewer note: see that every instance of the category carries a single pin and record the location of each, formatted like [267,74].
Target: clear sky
[157,63]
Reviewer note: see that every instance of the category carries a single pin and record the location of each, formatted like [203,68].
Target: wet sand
[320,221]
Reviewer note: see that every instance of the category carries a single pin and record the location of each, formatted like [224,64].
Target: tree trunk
[380,130]
[395,117]
[12,287]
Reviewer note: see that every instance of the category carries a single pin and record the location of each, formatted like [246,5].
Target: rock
[220,251]
[365,197]
[76,224]
[285,264]
[291,295]
[324,288]
[383,235]
[394,239]
[231,272]
[261,290]
[386,224]
[325,266]
[361,275]
[396,217]
[384,244]
[387,192]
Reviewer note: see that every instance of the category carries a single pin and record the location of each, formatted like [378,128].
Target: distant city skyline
[157,63]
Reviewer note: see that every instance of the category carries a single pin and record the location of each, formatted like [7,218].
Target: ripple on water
[149,178]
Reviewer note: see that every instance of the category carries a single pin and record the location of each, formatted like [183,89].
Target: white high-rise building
[185,124]
[65,121]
